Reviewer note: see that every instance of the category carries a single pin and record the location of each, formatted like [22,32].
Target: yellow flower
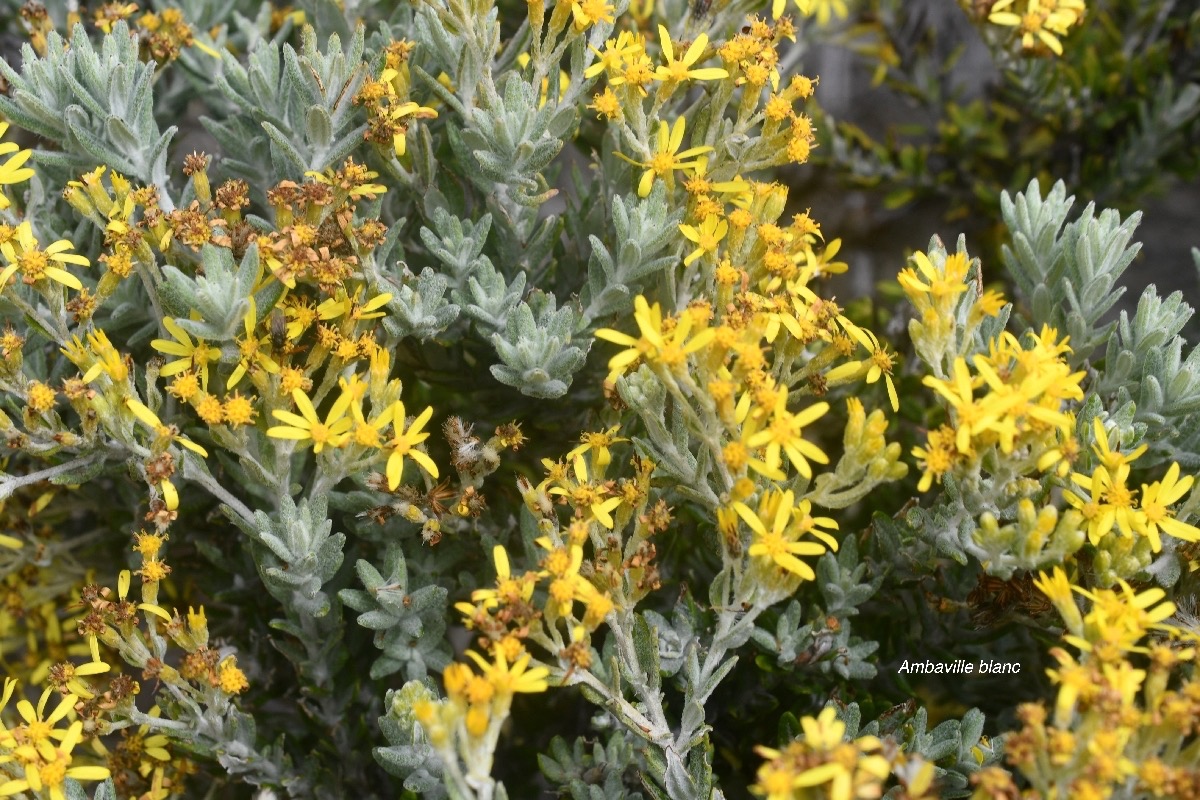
[1155,512]
[939,285]
[238,410]
[1110,459]
[1110,503]
[191,354]
[1119,619]
[108,360]
[13,170]
[231,678]
[598,443]
[395,111]
[680,69]
[823,10]
[254,351]
[1042,20]
[344,305]
[667,157]
[669,349]
[151,421]
[706,237]
[648,318]
[615,52]
[404,443]
[508,680]
[737,454]
[123,579]
[778,544]
[353,179]
[36,263]
[879,364]
[972,417]
[785,432]
[309,427]
[845,770]
[509,589]
[50,774]
[1074,681]
[586,496]
[1059,590]
[588,12]
[606,105]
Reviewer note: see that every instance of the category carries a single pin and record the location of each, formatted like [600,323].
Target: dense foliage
[451,399]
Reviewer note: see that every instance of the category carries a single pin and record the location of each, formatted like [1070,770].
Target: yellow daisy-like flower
[1041,21]
[13,170]
[50,775]
[151,421]
[679,69]
[254,351]
[1157,515]
[939,285]
[1110,504]
[509,588]
[598,442]
[508,680]
[124,577]
[1111,459]
[35,263]
[397,111]
[971,416]
[785,432]
[587,496]
[670,349]
[342,304]
[588,12]
[778,543]
[880,364]
[404,443]
[309,427]
[667,157]
[616,51]
[1060,591]
[707,236]
[190,354]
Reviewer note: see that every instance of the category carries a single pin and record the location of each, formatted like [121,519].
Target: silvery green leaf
[676,779]
[510,141]
[93,101]
[536,351]
[219,296]
[643,228]
[301,99]
[458,244]
[488,300]
[419,307]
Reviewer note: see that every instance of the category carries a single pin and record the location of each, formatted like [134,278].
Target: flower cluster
[1123,705]
[1124,526]
[467,724]
[1021,411]
[823,764]
[41,751]
[390,110]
